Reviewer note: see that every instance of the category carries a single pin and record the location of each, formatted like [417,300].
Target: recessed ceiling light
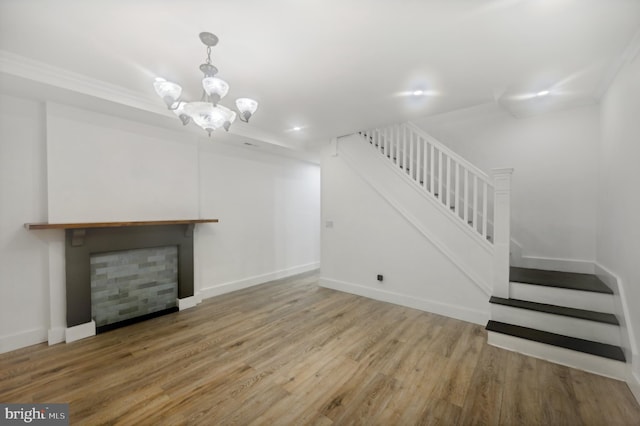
[417,92]
[542,93]
[296,128]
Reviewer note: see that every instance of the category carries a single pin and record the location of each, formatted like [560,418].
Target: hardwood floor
[290,352]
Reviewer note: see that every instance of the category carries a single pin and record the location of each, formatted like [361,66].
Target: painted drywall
[60,163]
[555,178]
[618,231]
[269,212]
[363,235]
[104,168]
[24,302]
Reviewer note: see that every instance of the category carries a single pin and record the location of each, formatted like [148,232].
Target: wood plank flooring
[290,352]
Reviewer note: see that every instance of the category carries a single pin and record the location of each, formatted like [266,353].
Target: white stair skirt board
[591,301]
[580,360]
[559,324]
[80,331]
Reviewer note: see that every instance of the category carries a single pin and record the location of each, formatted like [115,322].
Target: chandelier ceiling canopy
[207,112]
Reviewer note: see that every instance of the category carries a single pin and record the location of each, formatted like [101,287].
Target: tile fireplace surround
[82,240]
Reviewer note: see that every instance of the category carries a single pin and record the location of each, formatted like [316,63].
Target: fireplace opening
[129,286]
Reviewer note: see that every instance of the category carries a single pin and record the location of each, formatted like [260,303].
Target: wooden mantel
[86,225]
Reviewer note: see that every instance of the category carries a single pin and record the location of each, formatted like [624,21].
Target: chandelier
[206,113]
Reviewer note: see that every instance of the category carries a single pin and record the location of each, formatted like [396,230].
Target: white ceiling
[334,67]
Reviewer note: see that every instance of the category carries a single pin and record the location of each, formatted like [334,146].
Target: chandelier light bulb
[230,117]
[247,108]
[215,87]
[168,91]
[179,111]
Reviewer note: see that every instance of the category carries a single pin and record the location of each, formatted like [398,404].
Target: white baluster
[475,203]
[432,180]
[466,196]
[440,196]
[456,195]
[386,141]
[424,163]
[404,149]
[448,191]
[387,131]
[394,149]
[410,171]
[418,165]
[484,209]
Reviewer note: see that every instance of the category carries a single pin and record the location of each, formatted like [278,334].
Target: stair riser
[598,302]
[559,324]
[587,362]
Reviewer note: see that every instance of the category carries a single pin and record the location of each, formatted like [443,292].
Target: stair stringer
[467,252]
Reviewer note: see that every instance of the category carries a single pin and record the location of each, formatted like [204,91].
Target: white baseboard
[634,378]
[189,302]
[440,308]
[551,264]
[56,335]
[20,340]
[230,286]
[80,331]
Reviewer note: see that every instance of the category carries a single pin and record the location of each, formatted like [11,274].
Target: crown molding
[30,69]
[629,55]
[46,74]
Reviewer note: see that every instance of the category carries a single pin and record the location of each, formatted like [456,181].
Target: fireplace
[166,241]
[82,244]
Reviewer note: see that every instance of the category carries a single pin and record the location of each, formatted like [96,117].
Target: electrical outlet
[380,277]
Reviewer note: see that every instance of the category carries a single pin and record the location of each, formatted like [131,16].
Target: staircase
[454,182]
[564,317]
[567,318]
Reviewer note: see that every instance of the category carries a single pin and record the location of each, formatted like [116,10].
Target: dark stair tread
[569,280]
[557,310]
[581,345]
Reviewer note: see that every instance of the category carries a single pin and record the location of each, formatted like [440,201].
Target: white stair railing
[461,188]
[457,184]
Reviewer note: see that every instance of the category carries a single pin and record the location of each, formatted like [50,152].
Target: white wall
[618,195]
[103,168]
[269,212]
[106,168]
[367,237]
[555,179]
[24,302]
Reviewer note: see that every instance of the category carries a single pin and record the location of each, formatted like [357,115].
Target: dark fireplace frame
[81,243]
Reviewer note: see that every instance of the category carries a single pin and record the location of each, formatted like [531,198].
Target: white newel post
[501,230]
